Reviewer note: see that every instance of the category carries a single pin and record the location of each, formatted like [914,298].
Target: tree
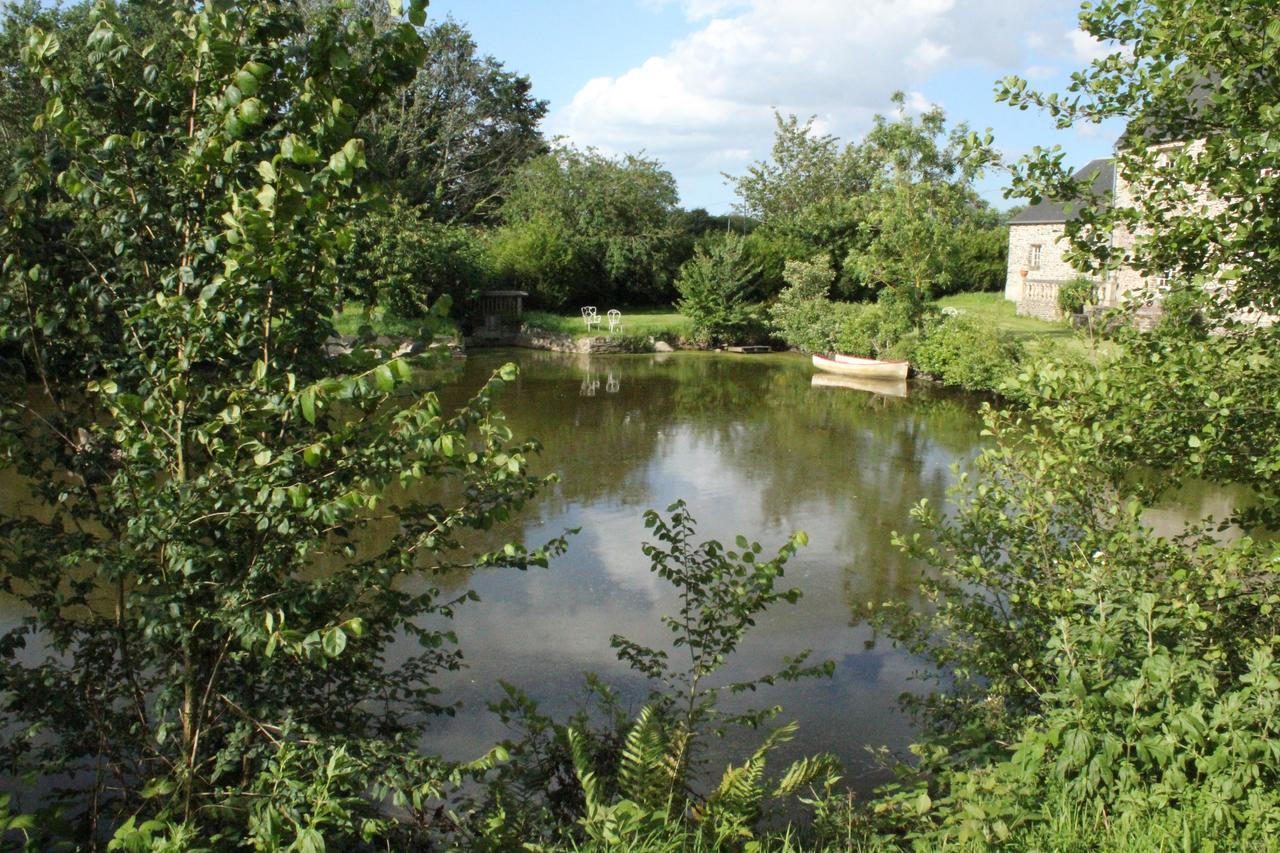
[1081,643]
[1196,84]
[802,196]
[919,200]
[204,660]
[714,288]
[449,141]
[1197,151]
[612,222]
[404,262]
[886,209]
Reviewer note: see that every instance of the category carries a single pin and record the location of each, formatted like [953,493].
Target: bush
[1102,680]
[404,263]
[1074,295]
[962,352]
[874,330]
[713,288]
[1181,311]
[802,315]
[977,260]
[536,255]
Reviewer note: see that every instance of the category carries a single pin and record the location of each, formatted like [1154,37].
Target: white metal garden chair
[590,317]
[615,320]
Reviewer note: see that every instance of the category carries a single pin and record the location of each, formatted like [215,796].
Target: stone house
[1037,235]
[1037,243]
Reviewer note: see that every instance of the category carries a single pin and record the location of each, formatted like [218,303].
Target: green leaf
[307,401]
[335,640]
[262,457]
[384,377]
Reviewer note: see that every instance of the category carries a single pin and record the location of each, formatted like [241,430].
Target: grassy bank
[1042,338]
[652,322]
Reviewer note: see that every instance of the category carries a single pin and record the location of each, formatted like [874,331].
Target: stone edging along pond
[532,338]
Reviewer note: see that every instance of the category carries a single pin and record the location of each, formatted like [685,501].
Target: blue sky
[694,83]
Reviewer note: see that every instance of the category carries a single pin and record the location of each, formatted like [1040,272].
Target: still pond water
[756,448]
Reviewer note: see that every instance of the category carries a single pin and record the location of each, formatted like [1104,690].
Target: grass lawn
[354,315]
[656,322]
[1039,335]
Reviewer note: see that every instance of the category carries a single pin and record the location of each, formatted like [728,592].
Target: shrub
[977,260]
[1101,679]
[538,256]
[874,330]
[1180,310]
[1074,295]
[713,293]
[860,330]
[404,262]
[802,315]
[962,352]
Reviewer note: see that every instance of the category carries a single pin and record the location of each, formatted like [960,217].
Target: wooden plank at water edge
[749,350]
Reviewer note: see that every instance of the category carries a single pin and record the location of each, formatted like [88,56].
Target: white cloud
[1039,72]
[710,97]
[1085,48]
[918,103]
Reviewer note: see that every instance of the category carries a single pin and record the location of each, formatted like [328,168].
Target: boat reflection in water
[883,387]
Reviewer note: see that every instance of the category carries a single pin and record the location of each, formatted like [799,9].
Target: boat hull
[866,368]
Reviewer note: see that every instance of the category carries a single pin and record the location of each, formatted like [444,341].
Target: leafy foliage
[896,209]
[448,142]
[406,263]
[714,293]
[631,783]
[1195,83]
[802,315]
[204,656]
[920,196]
[1074,295]
[580,227]
[967,354]
[1124,672]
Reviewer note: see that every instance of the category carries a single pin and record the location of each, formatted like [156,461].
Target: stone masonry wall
[1037,294]
[531,338]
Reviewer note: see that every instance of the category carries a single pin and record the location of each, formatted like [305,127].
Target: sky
[695,83]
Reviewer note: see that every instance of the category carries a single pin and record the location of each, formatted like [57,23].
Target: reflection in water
[755,449]
[885,387]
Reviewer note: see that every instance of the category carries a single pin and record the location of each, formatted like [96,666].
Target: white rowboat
[867,368]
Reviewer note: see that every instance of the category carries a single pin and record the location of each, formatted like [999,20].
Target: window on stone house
[1033,257]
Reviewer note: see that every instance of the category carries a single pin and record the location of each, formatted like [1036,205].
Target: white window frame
[1034,255]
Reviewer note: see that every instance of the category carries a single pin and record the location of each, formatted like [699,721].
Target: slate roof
[1048,212]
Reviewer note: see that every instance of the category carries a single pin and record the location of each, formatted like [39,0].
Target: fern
[582,768]
[804,773]
[644,769]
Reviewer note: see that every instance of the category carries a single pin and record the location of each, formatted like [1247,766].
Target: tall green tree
[449,140]
[919,199]
[885,210]
[803,195]
[203,663]
[1194,83]
[578,225]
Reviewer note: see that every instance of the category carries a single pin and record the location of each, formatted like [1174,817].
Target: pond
[755,448]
